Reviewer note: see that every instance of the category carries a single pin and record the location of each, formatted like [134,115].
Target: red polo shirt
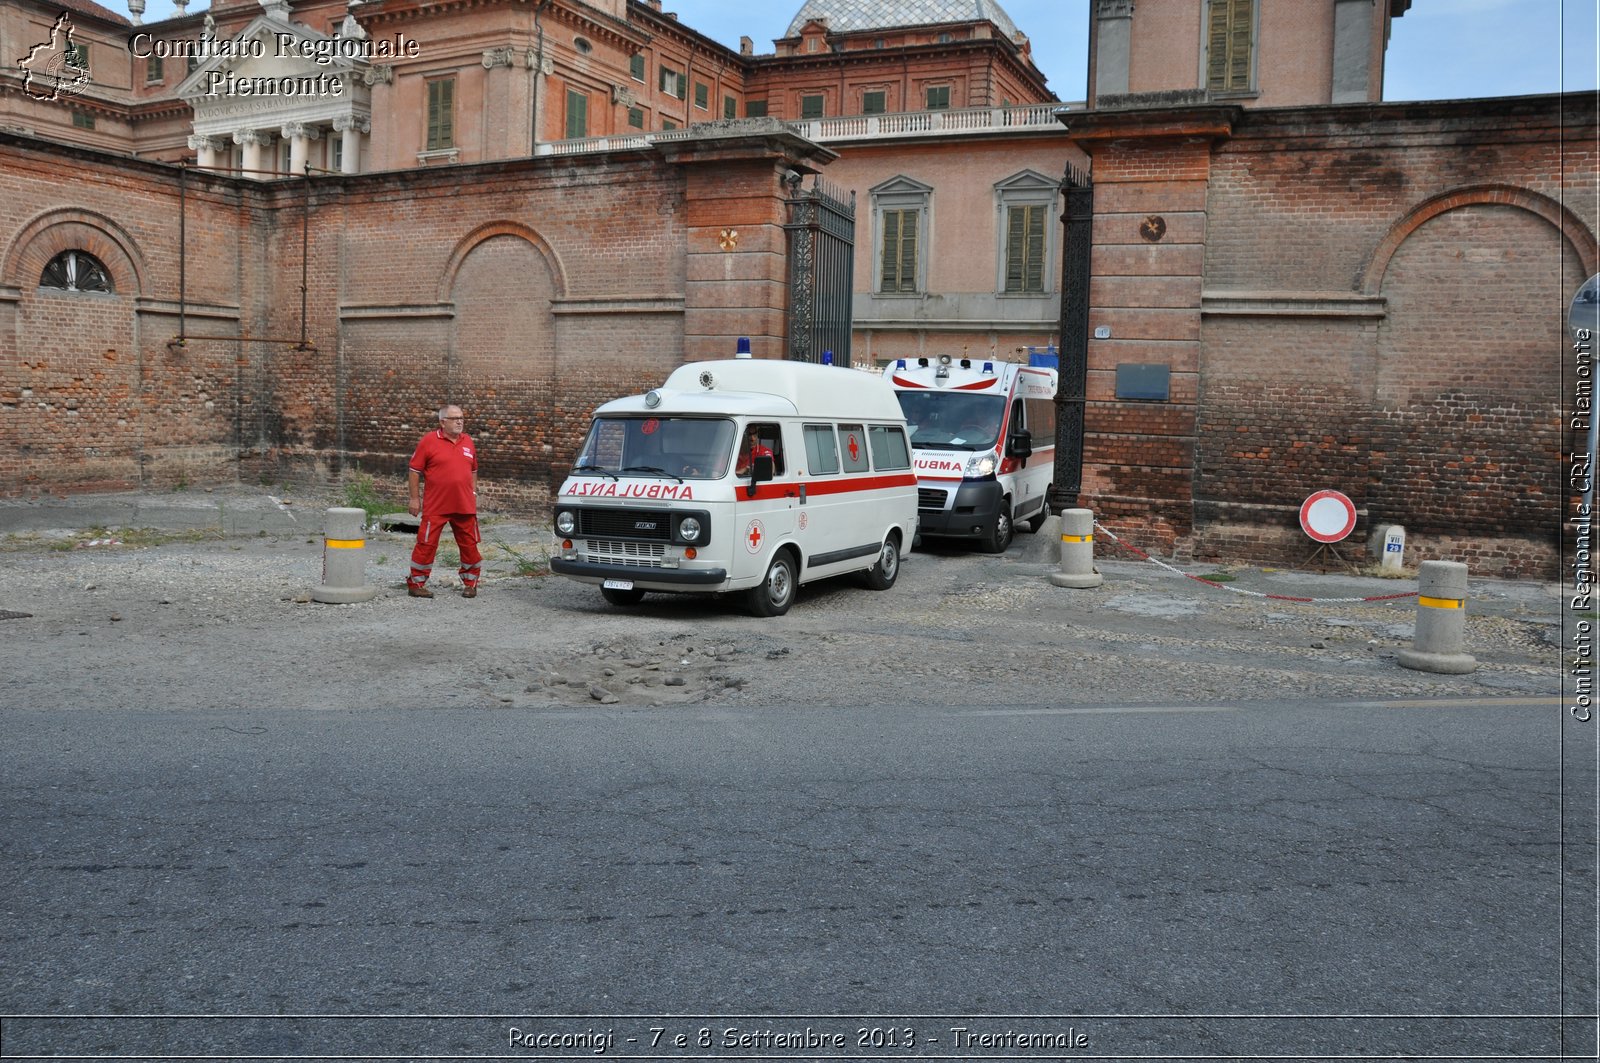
[446,468]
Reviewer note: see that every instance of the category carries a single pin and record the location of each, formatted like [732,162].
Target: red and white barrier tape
[1239,590]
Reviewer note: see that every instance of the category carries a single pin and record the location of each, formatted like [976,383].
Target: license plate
[618,584]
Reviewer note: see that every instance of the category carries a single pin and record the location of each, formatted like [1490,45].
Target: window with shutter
[577,115]
[899,262]
[1230,38]
[441,114]
[811,107]
[1025,220]
[636,66]
[1025,250]
[874,102]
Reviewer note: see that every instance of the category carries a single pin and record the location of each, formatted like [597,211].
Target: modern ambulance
[983,438]
[745,475]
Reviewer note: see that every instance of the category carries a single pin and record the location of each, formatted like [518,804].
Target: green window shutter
[908,251]
[874,103]
[1229,41]
[730,107]
[1025,250]
[1033,263]
[441,114]
[636,66]
[898,267]
[889,279]
[1015,226]
[811,107]
[577,115]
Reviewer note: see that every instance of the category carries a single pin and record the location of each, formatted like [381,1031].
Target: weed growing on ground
[362,493]
[526,565]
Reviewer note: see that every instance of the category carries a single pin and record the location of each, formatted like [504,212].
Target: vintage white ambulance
[983,438]
[742,475]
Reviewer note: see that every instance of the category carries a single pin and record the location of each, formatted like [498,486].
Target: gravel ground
[186,613]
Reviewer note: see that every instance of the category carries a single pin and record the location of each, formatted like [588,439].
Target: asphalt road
[1119,880]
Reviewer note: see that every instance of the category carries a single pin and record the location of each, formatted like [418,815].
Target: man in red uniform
[749,450]
[448,461]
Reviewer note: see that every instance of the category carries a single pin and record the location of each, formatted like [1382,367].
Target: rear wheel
[881,576]
[1036,522]
[774,594]
[616,597]
[999,539]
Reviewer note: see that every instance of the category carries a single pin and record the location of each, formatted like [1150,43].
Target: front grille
[931,498]
[612,552]
[625,524]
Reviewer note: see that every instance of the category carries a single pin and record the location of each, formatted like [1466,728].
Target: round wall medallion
[1153,228]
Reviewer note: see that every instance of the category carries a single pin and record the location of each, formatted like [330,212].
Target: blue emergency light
[900,363]
[827,357]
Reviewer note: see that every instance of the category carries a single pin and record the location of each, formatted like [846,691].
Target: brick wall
[1385,290]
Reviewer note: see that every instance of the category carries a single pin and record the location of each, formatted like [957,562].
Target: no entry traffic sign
[1328,516]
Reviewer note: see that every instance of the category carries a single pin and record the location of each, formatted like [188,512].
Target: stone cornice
[743,138]
[1205,122]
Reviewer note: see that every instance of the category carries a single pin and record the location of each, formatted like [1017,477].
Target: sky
[1439,50]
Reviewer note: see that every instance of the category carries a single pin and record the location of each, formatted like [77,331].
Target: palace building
[263,241]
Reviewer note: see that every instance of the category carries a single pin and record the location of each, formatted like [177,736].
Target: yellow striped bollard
[1077,551]
[344,559]
[1439,642]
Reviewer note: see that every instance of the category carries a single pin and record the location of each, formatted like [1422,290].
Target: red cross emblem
[855,451]
[754,535]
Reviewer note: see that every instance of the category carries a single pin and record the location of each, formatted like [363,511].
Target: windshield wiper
[594,468]
[650,468]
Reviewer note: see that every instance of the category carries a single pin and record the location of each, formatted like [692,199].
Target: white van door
[763,513]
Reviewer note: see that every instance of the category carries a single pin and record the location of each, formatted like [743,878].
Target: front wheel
[1000,538]
[881,576]
[773,595]
[616,597]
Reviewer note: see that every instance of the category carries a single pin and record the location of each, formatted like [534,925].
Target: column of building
[258,161]
[351,129]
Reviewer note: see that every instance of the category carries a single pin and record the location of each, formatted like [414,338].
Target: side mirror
[761,468]
[1020,445]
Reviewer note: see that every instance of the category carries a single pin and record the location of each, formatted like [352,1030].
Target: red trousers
[464,526]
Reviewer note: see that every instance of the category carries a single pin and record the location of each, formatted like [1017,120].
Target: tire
[999,540]
[625,598]
[1035,523]
[774,594]
[883,573]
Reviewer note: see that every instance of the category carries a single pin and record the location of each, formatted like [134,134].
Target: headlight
[689,529]
[566,523]
[980,466]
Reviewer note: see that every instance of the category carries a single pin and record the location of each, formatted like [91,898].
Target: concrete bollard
[344,559]
[1077,551]
[1441,621]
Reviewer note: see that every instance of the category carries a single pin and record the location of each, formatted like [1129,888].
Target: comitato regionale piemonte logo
[55,69]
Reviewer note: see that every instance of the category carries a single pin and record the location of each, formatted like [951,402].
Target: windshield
[952,420]
[687,448]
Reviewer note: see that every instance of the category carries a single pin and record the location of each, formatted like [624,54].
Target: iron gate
[822,237]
